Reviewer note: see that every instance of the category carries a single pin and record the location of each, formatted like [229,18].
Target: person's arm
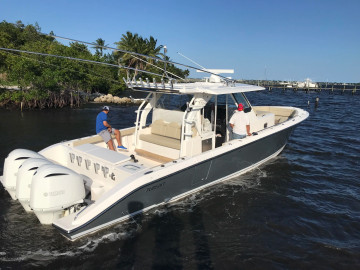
[248,130]
[247,125]
[231,122]
[106,124]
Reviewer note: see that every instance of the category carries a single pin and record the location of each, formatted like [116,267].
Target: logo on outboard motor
[54,193]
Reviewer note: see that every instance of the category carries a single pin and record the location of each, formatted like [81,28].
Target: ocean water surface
[300,210]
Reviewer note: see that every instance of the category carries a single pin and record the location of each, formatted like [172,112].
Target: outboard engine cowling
[55,188]
[24,180]
[11,167]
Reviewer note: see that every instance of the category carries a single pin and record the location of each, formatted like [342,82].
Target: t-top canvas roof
[219,88]
[193,88]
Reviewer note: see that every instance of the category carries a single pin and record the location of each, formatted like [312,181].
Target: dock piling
[316,102]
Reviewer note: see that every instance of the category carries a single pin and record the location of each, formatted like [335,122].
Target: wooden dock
[352,89]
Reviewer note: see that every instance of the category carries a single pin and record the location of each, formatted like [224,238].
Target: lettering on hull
[160,185]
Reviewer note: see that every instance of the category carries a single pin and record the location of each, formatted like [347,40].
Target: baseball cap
[106,108]
[240,107]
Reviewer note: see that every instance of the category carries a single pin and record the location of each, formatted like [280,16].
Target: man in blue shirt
[104,129]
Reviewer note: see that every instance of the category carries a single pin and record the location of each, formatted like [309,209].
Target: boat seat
[164,133]
[161,140]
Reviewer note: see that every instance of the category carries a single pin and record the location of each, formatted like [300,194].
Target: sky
[259,39]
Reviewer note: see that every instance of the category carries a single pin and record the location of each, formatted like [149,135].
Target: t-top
[101,117]
[239,119]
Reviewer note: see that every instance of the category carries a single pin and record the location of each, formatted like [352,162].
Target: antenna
[167,72]
[214,77]
[191,60]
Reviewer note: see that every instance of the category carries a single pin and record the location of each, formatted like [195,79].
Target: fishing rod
[160,68]
[138,54]
[80,60]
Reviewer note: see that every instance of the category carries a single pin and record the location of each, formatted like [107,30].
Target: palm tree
[135,43]
[100,44]
[153,49]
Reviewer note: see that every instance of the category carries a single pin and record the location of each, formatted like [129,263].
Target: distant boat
[287,84]
[308,83]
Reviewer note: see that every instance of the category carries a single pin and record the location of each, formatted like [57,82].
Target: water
[301,210]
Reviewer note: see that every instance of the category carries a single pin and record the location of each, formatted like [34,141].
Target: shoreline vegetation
[29,81]
[33,100]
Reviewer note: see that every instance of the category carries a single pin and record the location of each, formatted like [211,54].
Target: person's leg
[107,139]
[118,136]
[235,136]
[111,145]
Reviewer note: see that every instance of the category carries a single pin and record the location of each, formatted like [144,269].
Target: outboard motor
[54,189]
[24,180]
[11,167]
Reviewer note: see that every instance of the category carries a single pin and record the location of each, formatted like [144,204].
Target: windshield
[240,98]
[173,102]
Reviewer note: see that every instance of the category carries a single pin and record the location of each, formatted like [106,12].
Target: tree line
[45,81]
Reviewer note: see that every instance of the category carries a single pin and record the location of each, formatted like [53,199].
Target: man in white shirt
[240,124]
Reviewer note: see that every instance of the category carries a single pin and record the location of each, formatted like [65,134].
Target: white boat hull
[184,178]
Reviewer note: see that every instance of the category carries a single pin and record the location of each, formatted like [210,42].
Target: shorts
[105,134]
[238,136]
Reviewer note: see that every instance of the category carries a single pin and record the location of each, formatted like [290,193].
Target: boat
[180,144]
[308,83]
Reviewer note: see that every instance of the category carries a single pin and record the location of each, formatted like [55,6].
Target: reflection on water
[300,210]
